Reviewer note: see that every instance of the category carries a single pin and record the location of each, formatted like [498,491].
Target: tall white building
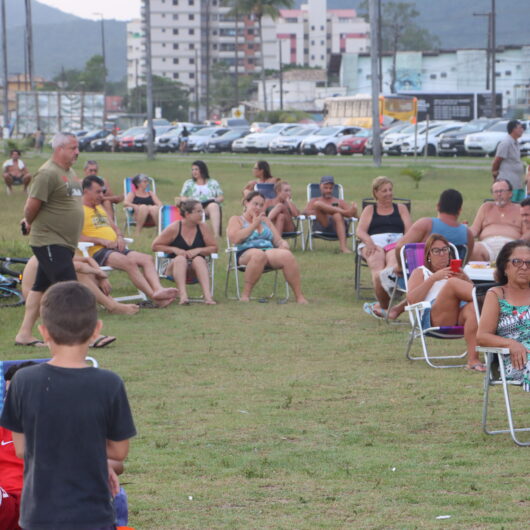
[188,36]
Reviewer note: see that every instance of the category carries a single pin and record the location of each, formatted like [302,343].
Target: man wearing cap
[507,162]
[330,212]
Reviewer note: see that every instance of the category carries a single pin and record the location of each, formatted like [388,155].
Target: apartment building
[188,36]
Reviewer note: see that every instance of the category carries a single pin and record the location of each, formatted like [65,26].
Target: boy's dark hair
[14,368]
[68,310]
[450,202]
[88,181]
[525,202]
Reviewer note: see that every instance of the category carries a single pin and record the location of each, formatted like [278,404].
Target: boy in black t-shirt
[67,420]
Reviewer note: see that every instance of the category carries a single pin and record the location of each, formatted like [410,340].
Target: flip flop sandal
[369,308]
[103,341]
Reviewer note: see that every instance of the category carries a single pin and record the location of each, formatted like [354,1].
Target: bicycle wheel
[10,297]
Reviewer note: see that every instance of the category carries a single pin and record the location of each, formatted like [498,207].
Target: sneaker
[388,280]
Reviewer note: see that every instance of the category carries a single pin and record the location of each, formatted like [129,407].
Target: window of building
[192,75]
[175,31]
[320,84]
[191,46]
[433,76]
[175,75]
[250,31]
[369,76]
[192,60]
[175,17]
[214,46]
[175,61]
[321,57]
[312,43]
[306,50]
[163,15]
[191,31]
[191,2]
[214,32]
[312,57]
[163,59]
[322,43]
[291,20]
[175,46]
[312,28]
[175,2]
[321,28]
[214,2]
[191,17]
[443,75]
[163,45]
[163,30]
[250,61]
[508,72]
[293,50]
[250,46]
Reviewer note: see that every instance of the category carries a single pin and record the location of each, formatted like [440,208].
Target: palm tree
[258,9]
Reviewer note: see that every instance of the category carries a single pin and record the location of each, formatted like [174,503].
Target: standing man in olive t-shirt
[53,218]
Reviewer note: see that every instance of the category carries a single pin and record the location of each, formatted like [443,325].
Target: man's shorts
[331,229]
[17,180]
[9,510]
[102,255]
[55,265]
[494,245]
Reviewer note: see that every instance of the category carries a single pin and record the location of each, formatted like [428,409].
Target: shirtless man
[331,212]
[15,172]
[91,168]
[525,216]
[496,223]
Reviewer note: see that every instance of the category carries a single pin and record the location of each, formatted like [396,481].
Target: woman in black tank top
[380,226]
[144,202]
[188,241]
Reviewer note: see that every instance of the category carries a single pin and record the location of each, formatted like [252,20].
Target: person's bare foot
[164,302]
[244,298]
[184,301]
[124,309]
[210,301]
[165,293]
[346,251]
[301,300]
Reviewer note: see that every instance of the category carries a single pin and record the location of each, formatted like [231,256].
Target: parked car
[102,144]
[174,141]
[238,146]
[140,140]
[392,141]
[429,145]
[355,144]
[394,128]
[486,142]
[524,143]
[258,126]
[198,141]
[452,143]
[126,141]
[224,142]
[327,139]
[84,141]
[260,141]
[290,140]
[235,122]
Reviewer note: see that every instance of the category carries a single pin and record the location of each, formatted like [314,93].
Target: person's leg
[255,261]
[480,252]
[8,179]
[279,258]
[141,211]
[153,213]
[340,229]
[203,275]
[376,263]
[26,179]
[214,212]
[446,307]
[31,314]
[178,269]
[468,319]
[128,264]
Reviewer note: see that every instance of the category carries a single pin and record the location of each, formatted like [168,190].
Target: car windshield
[327,131]
[273,129]
[363,133]
[471,128]
[228,135]
[206,132]
[133,130]
[498,127]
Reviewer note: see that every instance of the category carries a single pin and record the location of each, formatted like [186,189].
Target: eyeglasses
[518,263]
[496,192]
[441,250]
[255,167]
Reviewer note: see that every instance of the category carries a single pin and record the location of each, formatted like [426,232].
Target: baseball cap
[327,179]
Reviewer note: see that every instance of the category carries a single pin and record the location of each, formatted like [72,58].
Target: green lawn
[296,417]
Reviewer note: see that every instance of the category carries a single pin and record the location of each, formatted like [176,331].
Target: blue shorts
[426,318]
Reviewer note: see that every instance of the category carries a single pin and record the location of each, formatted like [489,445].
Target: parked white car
[392,141]
[524,143]
[260,141]
[290,140]
[432,139]
[197,142]
[327,139]
[238,146]
[486,142]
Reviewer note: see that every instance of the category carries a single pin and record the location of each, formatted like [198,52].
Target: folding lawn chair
[313,191]
[267,190]
[128,186]
[169,214]
[232,266]
[360,262]
[411,258]
[496,376]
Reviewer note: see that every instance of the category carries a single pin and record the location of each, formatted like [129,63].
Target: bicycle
[10,279]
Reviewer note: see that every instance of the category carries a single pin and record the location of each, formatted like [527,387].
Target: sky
[118,9]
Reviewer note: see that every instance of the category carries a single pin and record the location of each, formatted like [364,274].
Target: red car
[354,144]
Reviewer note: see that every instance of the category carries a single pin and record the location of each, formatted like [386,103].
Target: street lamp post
[104,65]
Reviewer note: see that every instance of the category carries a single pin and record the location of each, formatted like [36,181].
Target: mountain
[61,40]
[452,21]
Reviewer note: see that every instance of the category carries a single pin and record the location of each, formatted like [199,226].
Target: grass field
[296,417]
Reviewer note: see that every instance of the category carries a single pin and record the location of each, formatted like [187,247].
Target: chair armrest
[301,217]
[419,305]
[214,255]
[128,240]
[160,254]
[492,349]
[83,246]
[230,249]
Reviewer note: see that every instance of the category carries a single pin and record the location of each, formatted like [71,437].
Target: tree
[258,9]
[222,93]
[94,74]
[400,32]
[170,96]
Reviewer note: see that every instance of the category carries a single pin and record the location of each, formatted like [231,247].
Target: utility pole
[236,65]
[104,66]
[4,55]
[380,45]
[374,55]
[29,43]
[149,80]
[196,86]
[488,50]
[493,61]
[281,74]
[207,58]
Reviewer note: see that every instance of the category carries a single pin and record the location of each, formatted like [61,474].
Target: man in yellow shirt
[109,246]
